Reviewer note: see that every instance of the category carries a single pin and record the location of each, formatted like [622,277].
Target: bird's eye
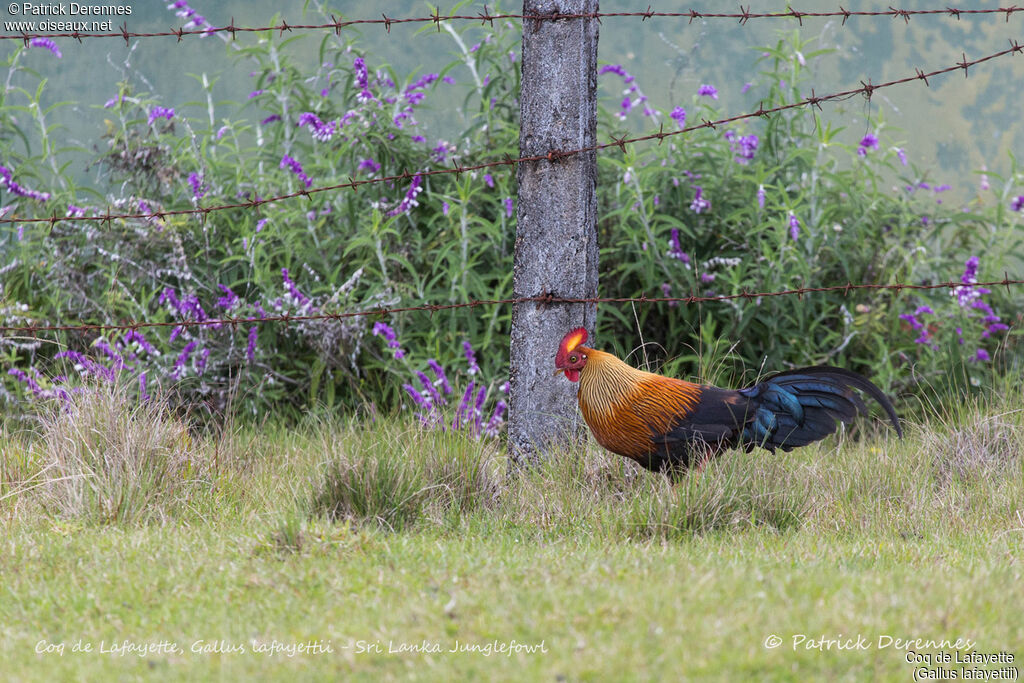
[572,359]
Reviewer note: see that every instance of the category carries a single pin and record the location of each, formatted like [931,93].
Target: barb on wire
[485,17]
[866,89]
[545,299]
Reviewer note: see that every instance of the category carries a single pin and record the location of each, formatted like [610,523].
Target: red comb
[569,344]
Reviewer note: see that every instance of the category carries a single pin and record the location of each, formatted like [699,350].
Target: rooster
[669,425]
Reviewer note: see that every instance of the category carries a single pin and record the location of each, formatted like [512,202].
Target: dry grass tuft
[982,447]
[399,475]
[110,458]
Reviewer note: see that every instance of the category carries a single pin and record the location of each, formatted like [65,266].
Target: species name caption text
[63,17]
[278,648]
[946,660]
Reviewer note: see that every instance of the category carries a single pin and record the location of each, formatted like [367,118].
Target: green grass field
[370,552]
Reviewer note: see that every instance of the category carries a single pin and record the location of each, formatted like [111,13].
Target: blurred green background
[952,128]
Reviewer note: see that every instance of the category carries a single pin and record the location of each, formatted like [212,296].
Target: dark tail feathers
[797,407]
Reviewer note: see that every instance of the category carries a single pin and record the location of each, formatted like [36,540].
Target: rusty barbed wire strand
[485,17]
[866,89]
[547,299]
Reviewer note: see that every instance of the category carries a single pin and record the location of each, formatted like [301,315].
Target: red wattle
[572,375]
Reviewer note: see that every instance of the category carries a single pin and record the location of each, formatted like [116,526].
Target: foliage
[783,203]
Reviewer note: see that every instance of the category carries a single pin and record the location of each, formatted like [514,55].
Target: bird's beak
[558,371]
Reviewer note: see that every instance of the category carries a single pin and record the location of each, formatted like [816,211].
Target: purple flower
[196,181]
[467,348]
[1018,203]
[368,165]
[293,290]
[708,91]
[322,132]
[250,349]
[699,203]
[442,379]
[409,201]
[509,207]
[616,69]
[488,180]
[869,141]
[112,101]
[478,412]
[143,394]
[435,396]
[362,79]
[675,250]
[160,112]
[743,146]
[271,119]
[794,226]
[228,301]
[497,419]
[46,43]
[137,337]
[707,277]
[760,196]
[966,295]
[7,180]
[902,155]
[666,291]
[463,412]
[981,356]
[385,330]
[179,364]
[255,93]
[411,93]
[439,153]
[746,86]
[417,398]
[296,168]
[679,116]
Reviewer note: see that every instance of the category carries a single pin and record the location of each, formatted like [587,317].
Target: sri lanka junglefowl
[668,425]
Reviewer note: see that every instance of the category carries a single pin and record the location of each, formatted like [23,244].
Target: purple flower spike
[160,112]
[708,91]
[196,181]
[869,141]
[442,379]
[794,227]
[296,168]
[7,180]
[467,348]
[385,330]
[250,349]
[699,203]
[675,249]
[48,44]
[409,201]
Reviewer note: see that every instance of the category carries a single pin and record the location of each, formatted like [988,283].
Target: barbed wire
[547,299]
[866,89]
[485,17]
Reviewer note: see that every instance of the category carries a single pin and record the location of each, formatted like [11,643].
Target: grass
[122,527]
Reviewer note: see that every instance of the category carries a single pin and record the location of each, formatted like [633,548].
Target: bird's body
[667,424]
